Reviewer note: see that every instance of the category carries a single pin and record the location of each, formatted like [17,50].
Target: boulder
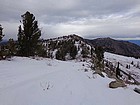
[137,90]
[116,84]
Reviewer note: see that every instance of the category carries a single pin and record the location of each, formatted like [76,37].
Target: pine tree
[28,37]
[99,53]
[60,54]
[21,41]
[11,47]
[73,51]
[99,62]
[1,36]
[1,33]
[85,52]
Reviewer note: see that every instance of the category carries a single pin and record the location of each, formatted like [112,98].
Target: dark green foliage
[21,41]
[63,47]
[92,51]
[2,48]
[67,48]
[3,52]
[40,49]
[53,45]
[99,53]
[60,54]
[98,60]
[73,51]
[28,37]
[8,50]
[1,33]
[11,47]
[85,51]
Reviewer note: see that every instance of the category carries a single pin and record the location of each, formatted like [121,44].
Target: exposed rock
[137,90]
[99,72]
[116,84]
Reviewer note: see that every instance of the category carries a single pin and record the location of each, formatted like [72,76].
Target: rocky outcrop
[137,90]
[116,84]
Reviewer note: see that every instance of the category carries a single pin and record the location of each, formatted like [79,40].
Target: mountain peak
[67,47]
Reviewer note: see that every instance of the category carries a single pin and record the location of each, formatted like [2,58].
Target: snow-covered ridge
[68,37]
[130,65]
[67,48]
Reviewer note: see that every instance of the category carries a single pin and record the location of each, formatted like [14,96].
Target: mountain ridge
[67,47]
[120,47]
[135,41]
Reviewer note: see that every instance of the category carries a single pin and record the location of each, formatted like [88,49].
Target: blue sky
[87,18]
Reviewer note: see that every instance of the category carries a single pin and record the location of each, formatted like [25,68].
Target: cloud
[110,26]
[92,18]
[10,29]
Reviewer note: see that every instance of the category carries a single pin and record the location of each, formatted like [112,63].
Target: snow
[42,81]
[123,60]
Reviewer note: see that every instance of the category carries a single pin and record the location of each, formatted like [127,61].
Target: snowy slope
[26,81]
[67,48]
[124,61]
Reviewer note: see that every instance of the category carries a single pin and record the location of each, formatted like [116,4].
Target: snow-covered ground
[124,61]
[26,81]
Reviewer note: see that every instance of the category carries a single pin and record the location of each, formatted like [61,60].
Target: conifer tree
[73,51]
[99,62]
[99,53]
[11,47]
[28,37]
[1,33]
[1,36]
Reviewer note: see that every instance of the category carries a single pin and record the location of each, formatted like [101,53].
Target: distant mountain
[116,46]
[3,42]
[135,41]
